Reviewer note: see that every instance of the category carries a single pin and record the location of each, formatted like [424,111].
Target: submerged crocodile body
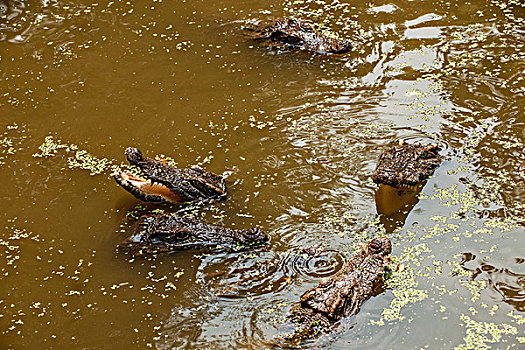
[395,204]
[294,33]
[406,165]
[162,183]
[342,294]
[167,232]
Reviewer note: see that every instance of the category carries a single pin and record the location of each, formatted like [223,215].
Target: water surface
[298,136]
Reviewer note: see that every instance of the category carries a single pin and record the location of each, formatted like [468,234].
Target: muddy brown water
[298,136]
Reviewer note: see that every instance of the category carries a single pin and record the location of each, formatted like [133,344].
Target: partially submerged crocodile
[342,294]
[401,175]
[161,183]
[294,33]
[406,165]
[166,232]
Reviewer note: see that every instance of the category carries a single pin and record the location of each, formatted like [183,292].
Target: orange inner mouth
[148,188]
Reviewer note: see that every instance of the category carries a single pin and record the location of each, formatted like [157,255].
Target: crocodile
[157,233]
[158,182]
[341,295]
[405,165]
[290,32]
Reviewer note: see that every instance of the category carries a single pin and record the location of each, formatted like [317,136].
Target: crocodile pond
[294,138]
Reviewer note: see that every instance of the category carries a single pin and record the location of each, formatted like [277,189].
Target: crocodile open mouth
[155,181]
[145,189]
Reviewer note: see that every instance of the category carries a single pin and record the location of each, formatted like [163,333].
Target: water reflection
[21,20]
[394,204]
[10,22]
[507,285]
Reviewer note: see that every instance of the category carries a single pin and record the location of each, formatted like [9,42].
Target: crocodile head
[406,165]
[167,232]
[290,32]
[156,182]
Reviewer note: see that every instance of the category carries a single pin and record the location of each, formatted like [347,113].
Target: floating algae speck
[11,243]
[404,284]
[50,147]
[519,319]
[480,334]
[9,142]
[82,159]
[475,287]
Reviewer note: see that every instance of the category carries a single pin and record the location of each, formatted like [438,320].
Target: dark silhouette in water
[394,204]
[293,33]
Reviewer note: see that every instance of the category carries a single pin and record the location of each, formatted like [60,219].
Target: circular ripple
[238,275]
[317,264]
[243,275]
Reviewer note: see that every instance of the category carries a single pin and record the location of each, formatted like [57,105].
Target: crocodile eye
[254,232]
[171,236]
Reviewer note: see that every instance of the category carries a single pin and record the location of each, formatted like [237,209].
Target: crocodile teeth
[145,188]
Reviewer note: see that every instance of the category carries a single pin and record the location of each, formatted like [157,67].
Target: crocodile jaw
[146,190]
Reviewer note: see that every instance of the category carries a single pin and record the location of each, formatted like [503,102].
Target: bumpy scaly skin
[406,165]
[342,294]
[161,183]
[300,34]
[167,232]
